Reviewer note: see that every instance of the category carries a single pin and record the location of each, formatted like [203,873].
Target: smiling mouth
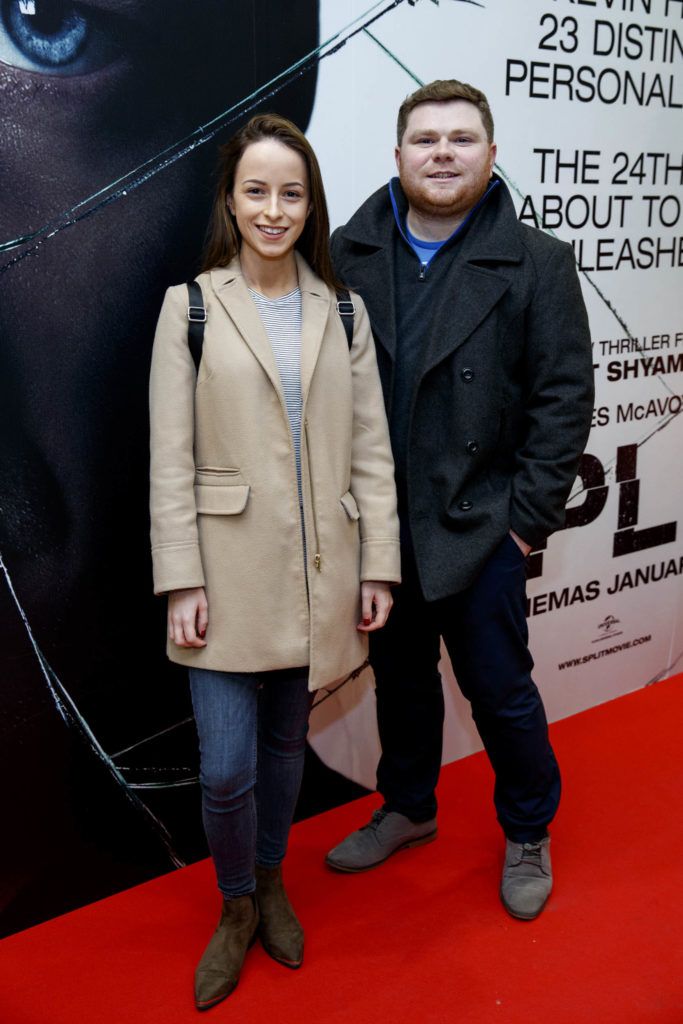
[443,175]
[271,232]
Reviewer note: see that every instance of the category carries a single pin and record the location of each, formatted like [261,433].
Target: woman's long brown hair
[223,238]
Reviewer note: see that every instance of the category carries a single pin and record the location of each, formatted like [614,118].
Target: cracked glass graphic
[107,113]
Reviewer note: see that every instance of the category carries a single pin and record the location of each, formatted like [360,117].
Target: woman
[273,517]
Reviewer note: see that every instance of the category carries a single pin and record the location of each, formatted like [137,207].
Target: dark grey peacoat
[501,405]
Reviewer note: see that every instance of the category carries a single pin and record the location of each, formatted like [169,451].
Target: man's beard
[433,204]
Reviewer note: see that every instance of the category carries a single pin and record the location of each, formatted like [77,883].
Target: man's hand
[376,602]
[521,544]
[188,617]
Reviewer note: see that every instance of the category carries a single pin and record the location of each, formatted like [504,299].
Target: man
[484,352]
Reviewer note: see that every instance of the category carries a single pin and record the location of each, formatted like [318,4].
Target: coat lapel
[370,271]
[372,276]
[315,310]
[231,289]
[462,311]
[464,300]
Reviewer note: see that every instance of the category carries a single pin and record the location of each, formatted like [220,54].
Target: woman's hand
[188,617]
[376,602]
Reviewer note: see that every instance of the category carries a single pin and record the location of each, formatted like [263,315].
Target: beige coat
[224,495]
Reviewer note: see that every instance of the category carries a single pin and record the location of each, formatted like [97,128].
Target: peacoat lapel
[466,295]
[371,272]
[461,311]
[477,278]
[372,276]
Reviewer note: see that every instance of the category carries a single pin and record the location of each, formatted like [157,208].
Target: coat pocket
[349,505]
[221,500]
[216,475]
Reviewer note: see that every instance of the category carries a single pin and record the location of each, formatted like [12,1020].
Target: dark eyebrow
[453,131]
[257,181]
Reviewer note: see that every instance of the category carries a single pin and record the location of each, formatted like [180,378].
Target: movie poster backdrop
[111,117]
[587,97]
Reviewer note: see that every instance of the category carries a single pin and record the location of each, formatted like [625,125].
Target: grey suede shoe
[385,833]
[527,878]
[219,969]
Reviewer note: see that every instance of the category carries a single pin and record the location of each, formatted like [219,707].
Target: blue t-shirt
[425,251]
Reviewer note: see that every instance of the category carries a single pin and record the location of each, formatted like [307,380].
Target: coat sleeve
[372,465]
[175,546]
[560,392]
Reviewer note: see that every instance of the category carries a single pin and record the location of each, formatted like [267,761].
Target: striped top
[281,319]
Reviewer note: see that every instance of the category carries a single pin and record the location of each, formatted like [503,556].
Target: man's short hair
[442,91]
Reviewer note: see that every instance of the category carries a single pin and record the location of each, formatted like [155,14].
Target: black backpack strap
[196,318]
[347,311]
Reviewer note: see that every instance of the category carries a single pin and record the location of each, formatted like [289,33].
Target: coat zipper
[317,560]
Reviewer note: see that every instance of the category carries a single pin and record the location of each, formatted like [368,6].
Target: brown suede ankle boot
[218,971]
[281,934]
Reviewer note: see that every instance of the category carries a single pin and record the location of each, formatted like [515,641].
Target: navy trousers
[485,632]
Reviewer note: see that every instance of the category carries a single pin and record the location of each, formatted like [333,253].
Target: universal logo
[607,629]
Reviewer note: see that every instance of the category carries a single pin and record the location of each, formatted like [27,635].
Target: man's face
[445,159]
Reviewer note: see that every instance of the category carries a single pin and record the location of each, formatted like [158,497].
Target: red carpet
[423,938]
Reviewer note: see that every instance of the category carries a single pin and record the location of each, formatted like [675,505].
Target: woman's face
[270,200]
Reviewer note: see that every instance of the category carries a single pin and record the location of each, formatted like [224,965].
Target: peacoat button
[472,447]
[465,505]
[467,374]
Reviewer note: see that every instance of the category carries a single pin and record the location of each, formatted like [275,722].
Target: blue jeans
[252,734]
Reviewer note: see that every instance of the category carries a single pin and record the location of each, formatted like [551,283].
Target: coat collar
[490,240]
[497,237]
[232,291]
